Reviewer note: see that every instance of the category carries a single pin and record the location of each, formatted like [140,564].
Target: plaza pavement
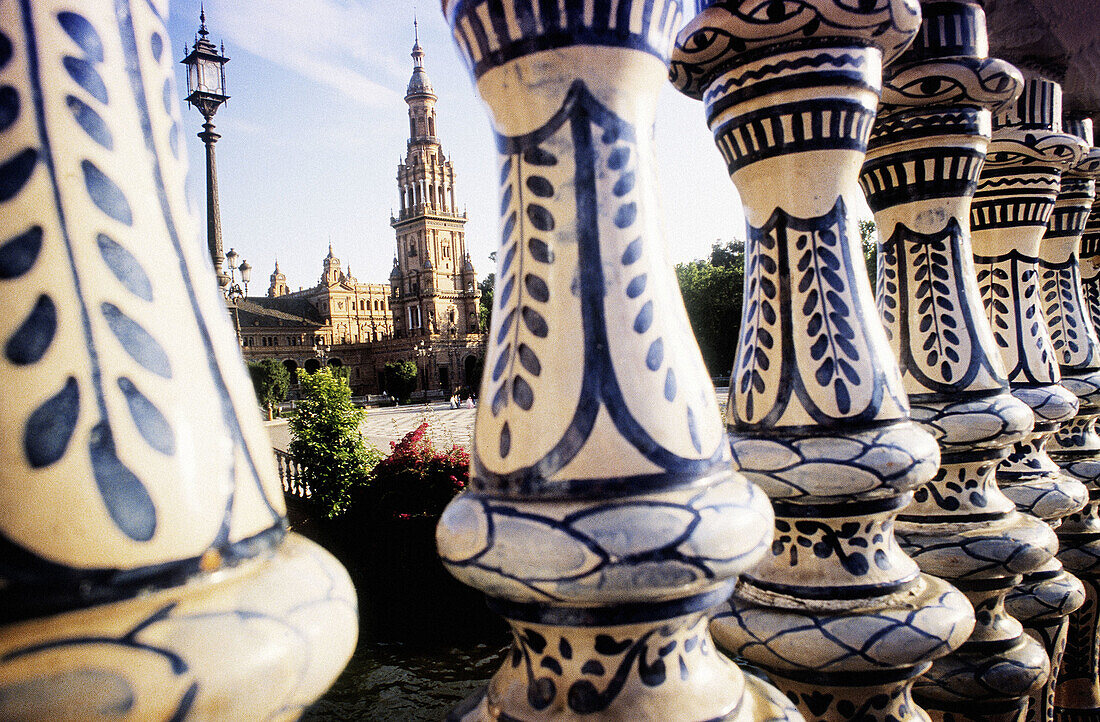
[448,426]
[383,425]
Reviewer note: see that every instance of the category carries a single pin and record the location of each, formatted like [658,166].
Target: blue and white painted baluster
[1076,446]
[1090,263]
[839,617]
[1078,694]
[1012,205]
[604,520]
[926,152]
[145,567]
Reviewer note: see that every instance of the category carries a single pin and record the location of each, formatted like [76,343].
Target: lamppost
[206,91]
[230,287]
[424,351]
[231,281]
[321,351]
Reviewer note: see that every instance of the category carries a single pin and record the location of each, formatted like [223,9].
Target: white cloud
[326,41]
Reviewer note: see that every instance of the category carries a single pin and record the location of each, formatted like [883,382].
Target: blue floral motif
[800,280]
[1065,307]
[922,295]
[1020,332]
[598,137]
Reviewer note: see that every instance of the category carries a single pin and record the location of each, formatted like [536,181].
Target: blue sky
[316,125]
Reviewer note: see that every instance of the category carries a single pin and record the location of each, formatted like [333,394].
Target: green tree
[868,236]
[712,290]
[341,372]
[485,305]
[473,382]
[401,379]
[271,380]
[326,441]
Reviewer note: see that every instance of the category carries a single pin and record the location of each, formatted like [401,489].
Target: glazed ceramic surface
[1078,693]
[604,519]
[818,415]
[926,152]
[145,569]
[1014,201]
[1076,446]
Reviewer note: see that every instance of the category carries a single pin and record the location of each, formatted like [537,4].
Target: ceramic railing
[612,518]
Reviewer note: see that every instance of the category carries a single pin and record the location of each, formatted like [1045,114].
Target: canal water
[397,682]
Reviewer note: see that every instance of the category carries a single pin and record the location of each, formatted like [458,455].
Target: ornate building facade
[427,312]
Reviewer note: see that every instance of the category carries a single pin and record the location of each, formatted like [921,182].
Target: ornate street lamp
[206,91]
[424,351]
[231,289]
[246,274]
[321,351]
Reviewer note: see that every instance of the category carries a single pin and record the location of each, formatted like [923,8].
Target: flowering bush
[416,480]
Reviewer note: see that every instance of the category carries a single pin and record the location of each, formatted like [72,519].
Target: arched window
[431,125]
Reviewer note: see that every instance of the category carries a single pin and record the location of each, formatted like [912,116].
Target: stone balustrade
[290,475]
[896,521]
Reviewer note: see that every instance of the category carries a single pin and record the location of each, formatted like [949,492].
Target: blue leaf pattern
[148,419]
[32,339]
[125,267]
[107,196]
[18,254]
[522,289]
[50,427]
[136,341]
[91,122]
[601,153]
[9,107]
[15,172]
[126,498]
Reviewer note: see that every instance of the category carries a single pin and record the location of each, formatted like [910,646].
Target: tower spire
[418,50]
[202,22]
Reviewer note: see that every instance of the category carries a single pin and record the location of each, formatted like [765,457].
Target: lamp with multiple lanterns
[206,92]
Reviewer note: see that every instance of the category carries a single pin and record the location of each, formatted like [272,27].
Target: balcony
[426,209]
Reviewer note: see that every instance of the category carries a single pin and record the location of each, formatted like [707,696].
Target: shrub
[415,480]
[326,441]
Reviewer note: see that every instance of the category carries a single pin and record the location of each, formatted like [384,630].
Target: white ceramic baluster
[145,568]
[925,155]
[603,519]
[1014,200]
[1076,446]
[839,617]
